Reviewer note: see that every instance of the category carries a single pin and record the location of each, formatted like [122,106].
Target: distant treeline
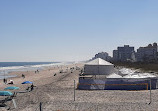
[139,65]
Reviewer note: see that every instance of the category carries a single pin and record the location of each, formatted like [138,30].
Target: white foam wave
[43,65]
[6,70]
[13,67]
[25,68]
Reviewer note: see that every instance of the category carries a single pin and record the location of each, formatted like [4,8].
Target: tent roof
[98,61]
[114,76]
[140,75]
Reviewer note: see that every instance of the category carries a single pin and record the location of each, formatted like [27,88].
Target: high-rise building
[123,53]
[148,53]
[115,55]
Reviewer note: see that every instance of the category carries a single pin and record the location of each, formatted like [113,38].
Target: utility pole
[74,90]
[40,106]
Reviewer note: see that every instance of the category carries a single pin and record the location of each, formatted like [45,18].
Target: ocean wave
[9,69]
[5,70]
[43,65]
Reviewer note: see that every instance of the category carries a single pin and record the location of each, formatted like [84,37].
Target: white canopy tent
[98,67]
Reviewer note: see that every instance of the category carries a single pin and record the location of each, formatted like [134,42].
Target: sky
[73,30]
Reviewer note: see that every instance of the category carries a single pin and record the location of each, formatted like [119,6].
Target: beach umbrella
[5,93]
[11,88]
[27,82]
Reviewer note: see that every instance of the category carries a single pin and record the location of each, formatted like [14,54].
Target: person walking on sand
[5,81]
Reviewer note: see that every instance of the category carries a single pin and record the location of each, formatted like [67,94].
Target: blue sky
[73,30]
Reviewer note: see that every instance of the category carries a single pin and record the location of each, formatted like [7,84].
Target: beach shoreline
[56,92]
[39,79]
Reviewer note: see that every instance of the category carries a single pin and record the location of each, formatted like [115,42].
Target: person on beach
[37,71]
[32,87]
[5,81]
[23,76]
[11,82]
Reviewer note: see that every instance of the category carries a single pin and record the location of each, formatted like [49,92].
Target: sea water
[7,67]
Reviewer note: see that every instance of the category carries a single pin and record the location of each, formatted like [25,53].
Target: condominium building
[123,53]
[148,53]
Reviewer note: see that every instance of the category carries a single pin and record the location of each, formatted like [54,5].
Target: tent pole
[150,92]
[74,90]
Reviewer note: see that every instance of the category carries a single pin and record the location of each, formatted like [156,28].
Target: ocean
[7,67]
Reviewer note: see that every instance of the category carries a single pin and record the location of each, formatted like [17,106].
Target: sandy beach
[43,82]
[57,93]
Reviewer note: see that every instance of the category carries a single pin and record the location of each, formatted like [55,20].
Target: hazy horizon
[70,30]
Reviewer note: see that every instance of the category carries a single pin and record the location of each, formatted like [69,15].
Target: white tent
[98,67]
[113,76]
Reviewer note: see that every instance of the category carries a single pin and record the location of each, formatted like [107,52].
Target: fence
[142,86]
[116,84]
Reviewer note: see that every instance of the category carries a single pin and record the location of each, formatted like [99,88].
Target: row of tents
[100,74]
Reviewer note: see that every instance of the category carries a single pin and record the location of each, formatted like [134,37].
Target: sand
[57,93]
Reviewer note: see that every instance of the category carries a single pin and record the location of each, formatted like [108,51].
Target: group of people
[30,88]
[37,71]
[5,81]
